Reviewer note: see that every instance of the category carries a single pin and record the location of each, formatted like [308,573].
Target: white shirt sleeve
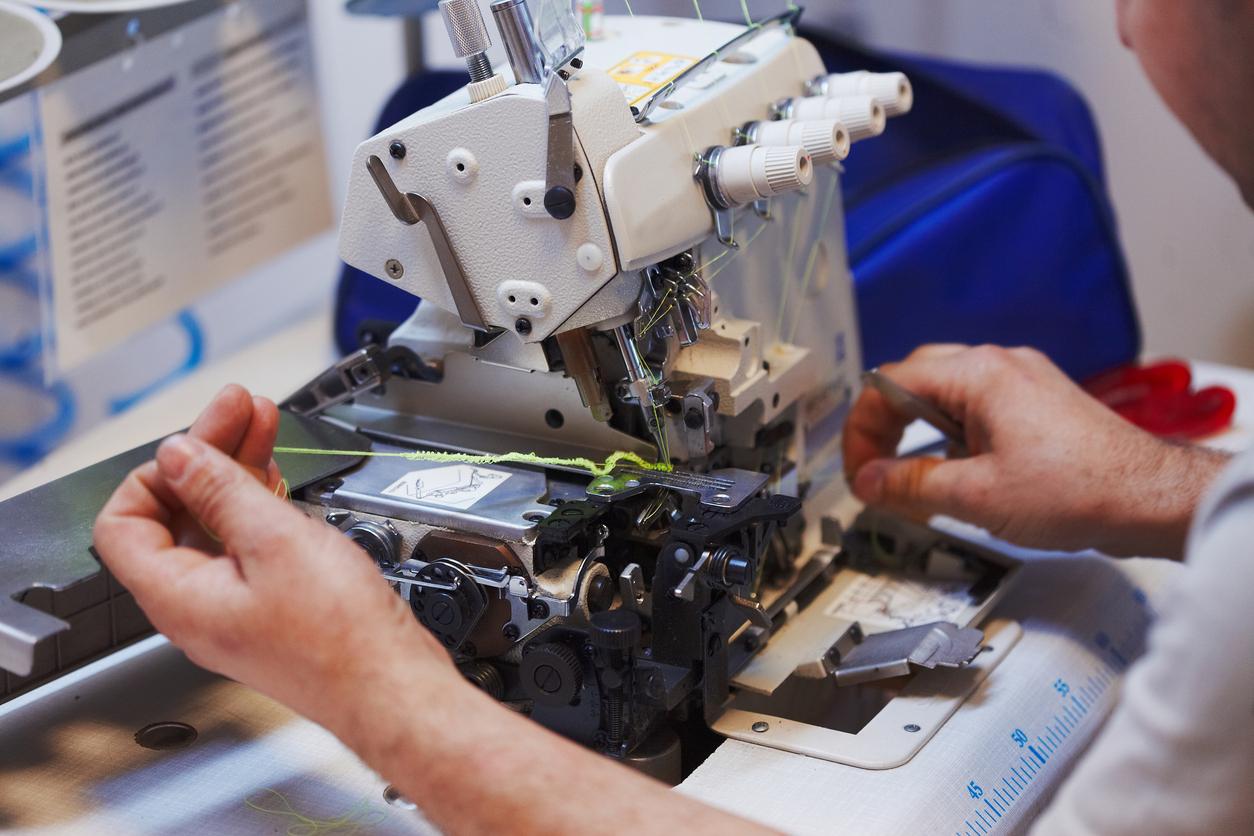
[1177,754]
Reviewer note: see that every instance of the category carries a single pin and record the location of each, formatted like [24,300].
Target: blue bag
[979,217]
[982,217]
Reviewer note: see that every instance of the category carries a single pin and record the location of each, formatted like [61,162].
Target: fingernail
[868,485]
[173,456]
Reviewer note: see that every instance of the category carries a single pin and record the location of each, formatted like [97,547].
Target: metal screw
[397,150]
[912,727]
[523,326]
[693,419]
[682,556]
[511,632]
[760,726]
[394,268]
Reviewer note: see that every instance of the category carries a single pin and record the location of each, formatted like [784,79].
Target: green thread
[629,11]
[813,258]
[790,278]
[744,7]
[697,5]
[604,468]
[358,817]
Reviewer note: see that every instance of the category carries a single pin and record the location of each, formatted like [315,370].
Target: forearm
[474,766]
[1158,497]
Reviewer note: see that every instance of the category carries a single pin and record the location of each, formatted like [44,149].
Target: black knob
[739,570]
[551,674]
[559,201]
[615,629]
[600,593]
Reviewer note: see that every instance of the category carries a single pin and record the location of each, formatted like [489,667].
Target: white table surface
[68,763]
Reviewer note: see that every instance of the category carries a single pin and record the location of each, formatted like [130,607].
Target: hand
[246,584]
[1050,466]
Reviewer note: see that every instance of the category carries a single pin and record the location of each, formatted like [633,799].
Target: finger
[257,446]
[936,350]
[948,379]
[133,538]
[275,481]
[225,421]
[250,521]
[873,430]
[924,486]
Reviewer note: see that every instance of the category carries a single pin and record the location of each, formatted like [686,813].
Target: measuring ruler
[1072,703]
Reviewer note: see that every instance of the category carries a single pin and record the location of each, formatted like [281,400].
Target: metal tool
[912,406]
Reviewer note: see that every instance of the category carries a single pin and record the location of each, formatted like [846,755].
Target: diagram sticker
[456,486]
[644,72]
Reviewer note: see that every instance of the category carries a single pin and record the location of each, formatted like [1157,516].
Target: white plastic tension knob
[747,173]
[891,90]
[862,116]
[825,140]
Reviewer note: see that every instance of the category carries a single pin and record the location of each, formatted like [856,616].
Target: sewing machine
[601,462]
[636,248]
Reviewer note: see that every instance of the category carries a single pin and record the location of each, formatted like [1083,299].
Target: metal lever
[410,209]
[856,658]
[559,186]
[356,374]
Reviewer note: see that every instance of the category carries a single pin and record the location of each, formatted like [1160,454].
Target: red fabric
[1160,398]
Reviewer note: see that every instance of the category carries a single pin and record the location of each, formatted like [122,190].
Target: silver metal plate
[726,489]
[899,652]
[500,512]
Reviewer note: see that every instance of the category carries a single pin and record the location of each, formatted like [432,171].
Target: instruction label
[456,486]
[885,602]
[176,166]
[645,72]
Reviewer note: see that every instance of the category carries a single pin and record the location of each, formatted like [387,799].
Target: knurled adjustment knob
[551,673]
[746,173]
[615,629]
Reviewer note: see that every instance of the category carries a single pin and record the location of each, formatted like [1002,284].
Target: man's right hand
[1050,466]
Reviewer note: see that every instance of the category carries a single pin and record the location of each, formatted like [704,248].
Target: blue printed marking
[987,821]
[1080,706]
[1005,800]
[970,827]
[1031,767]
[992,809]
[1014,793]
[1036,754]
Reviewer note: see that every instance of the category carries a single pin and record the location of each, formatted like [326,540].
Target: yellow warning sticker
[645,72]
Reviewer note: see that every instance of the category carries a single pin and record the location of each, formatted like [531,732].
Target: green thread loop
[604,468]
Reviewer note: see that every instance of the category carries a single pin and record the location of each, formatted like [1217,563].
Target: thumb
[920,486]
[225,498]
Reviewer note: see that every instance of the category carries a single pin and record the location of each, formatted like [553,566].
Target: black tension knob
[615,629]
[551,674]
[559,202]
